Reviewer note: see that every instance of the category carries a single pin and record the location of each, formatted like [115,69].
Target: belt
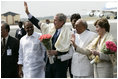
[61,53]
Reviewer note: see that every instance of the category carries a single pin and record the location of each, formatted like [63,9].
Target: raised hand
[73,40]
[26,7]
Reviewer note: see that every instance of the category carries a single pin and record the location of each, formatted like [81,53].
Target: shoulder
[12,39]
[23,37]
[66,28]
[92,33]
[68,25]
[23,29]
[110,36]
[37,35]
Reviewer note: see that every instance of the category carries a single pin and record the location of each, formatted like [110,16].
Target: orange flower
[46,40]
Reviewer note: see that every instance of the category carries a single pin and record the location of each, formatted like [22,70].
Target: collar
[33,35]
[83,33]
[6,38]
[59,30]
[20,28]
[73,30]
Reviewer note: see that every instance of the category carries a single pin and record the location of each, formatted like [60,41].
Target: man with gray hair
[81,67]
[61,36]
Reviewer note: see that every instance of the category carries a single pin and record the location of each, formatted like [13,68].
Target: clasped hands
[94,52]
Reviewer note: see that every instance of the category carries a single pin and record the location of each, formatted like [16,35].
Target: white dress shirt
[31,56]
[80,63]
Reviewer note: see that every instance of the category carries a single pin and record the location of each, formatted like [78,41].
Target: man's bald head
[27,23]
[82,22]
[29,28]
[81,26]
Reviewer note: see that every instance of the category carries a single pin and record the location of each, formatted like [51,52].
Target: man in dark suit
[20,32]
[9,53]
[60,43]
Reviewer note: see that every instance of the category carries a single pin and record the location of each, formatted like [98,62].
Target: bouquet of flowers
[46,40]
[109,48]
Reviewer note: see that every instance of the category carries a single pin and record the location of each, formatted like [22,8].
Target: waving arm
[31,18]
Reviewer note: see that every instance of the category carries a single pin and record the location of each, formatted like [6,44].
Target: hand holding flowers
[52,52]
[108,48]
[46,40]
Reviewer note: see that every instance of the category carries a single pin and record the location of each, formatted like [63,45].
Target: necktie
[55,36]
[3,48]
[54,39]
[4,42]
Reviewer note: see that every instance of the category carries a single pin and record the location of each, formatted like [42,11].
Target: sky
[50,8]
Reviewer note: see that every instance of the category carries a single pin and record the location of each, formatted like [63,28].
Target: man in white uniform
[31,54]
[81,67]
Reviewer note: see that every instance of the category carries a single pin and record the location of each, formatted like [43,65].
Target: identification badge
[9,52]
[19,33]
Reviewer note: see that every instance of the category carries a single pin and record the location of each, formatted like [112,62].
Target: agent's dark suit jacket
[9,66]
[18,36]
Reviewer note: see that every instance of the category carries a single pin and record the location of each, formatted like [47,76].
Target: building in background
[10,18]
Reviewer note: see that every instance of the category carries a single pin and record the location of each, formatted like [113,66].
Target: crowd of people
[73,47]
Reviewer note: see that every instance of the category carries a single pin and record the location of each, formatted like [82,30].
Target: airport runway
[113,31]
